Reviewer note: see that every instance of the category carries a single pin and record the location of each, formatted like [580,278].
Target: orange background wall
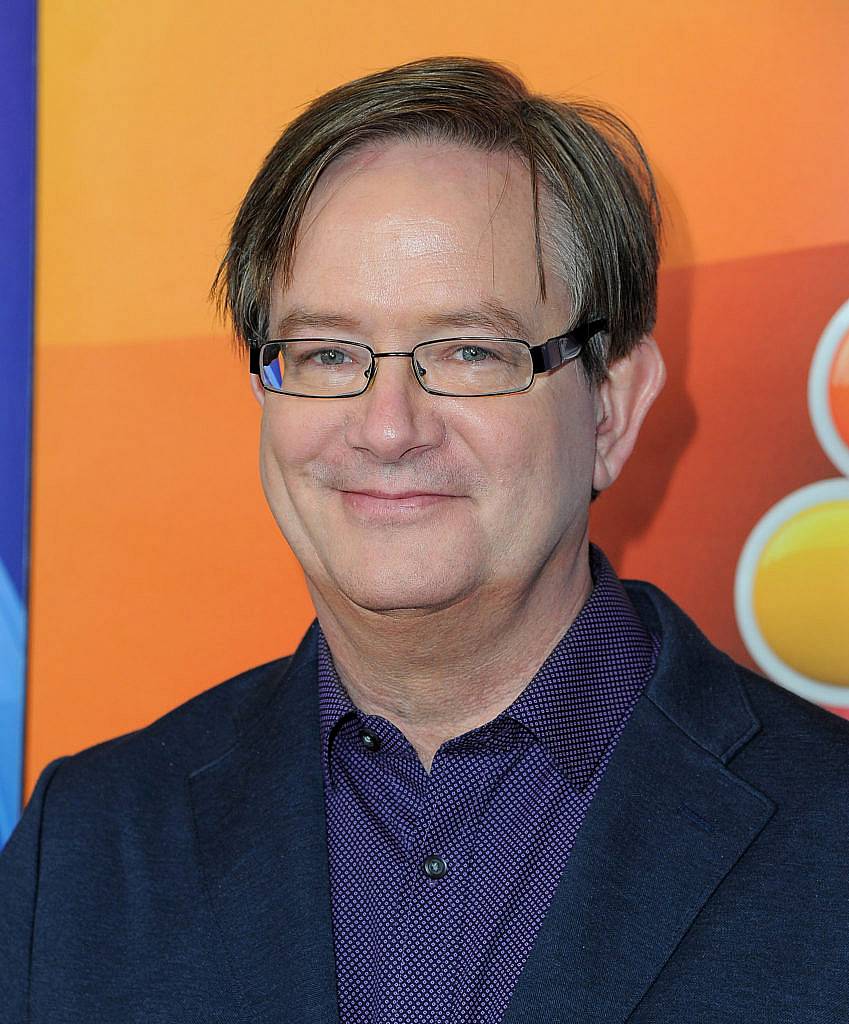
[157,570]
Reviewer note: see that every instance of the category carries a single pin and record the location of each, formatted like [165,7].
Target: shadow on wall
[626,513]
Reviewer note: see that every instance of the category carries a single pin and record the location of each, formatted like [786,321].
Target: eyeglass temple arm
[556,351]
[254,356]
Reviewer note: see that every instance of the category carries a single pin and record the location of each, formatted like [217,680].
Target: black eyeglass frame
[549,355]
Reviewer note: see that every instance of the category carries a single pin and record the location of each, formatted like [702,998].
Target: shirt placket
[423,983]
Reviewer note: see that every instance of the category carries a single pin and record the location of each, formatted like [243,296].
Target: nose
[395,416]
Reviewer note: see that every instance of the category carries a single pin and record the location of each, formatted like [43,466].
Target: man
[492,784]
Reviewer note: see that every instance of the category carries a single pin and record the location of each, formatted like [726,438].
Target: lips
[389,506]
[398,495]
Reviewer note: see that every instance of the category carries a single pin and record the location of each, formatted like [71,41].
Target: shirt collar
[334,704]
[579,699]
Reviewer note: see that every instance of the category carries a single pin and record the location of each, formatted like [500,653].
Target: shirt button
[370,740]
[434,867]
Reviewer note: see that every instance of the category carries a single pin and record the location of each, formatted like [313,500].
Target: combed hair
[595,206]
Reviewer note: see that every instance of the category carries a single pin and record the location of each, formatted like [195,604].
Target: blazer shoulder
[819,737]
[193,733]
[787,733]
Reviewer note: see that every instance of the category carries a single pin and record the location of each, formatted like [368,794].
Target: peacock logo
[791,592]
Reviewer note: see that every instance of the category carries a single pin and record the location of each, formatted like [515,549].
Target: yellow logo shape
[792,584]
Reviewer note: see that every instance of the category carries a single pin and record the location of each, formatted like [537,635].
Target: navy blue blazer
[179,874]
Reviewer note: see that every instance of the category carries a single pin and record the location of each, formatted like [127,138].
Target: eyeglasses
[454,367]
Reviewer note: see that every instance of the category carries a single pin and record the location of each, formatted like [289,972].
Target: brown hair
[598,201]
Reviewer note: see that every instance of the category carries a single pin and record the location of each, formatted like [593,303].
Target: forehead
[402,229]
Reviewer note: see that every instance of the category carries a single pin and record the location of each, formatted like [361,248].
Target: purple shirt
[439,882]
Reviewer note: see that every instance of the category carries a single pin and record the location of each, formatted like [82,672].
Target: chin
[399,588]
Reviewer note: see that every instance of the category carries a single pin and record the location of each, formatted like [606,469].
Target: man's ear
[258,389]
[622,401]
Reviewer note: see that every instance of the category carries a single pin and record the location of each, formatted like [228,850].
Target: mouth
[398,495]
[393,505]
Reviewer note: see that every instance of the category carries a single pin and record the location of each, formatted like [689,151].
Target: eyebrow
[299,318]
[489,316]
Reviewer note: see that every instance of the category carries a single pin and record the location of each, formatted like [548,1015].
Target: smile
[384,506]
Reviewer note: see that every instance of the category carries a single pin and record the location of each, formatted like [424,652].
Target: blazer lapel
[260,824]
[668,822]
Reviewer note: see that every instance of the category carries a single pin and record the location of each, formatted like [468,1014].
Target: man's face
[398,499]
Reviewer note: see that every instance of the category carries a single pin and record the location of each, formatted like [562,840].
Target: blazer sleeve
[19,878]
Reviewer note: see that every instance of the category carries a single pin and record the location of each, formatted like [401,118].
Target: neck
[436,674]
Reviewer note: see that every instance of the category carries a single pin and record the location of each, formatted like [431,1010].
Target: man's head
[439,200]
[593,196]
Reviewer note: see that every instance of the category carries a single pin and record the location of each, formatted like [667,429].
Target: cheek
[294,442]
[293,435]
[542,450]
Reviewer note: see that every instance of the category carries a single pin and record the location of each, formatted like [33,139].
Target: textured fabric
[500,810]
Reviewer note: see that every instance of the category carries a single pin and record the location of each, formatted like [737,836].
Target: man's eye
[329,357]
[474,354]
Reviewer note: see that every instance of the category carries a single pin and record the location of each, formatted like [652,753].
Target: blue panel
[17,193]
[17,150]
[12,650]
